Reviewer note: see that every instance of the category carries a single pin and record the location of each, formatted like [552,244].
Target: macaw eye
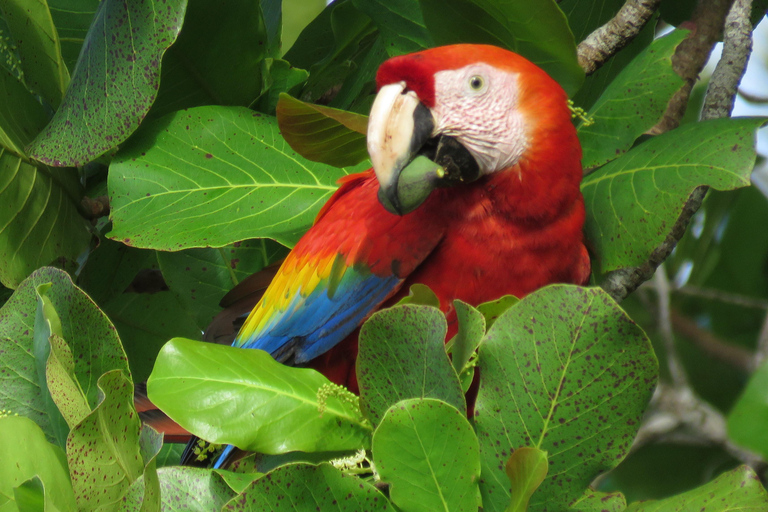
[476,82]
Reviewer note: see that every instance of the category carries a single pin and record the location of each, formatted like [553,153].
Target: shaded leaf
[526,468]
[283,79]
[469,336]
[185,488]
[536,30]
[633,102]
[402,355]
[211,176]
[739,489]
[39,219]
[201,277]
[293,487]
[238,482]
[114,83]
[323,134]
[633,201]
[400,24]
[96,349]
[108,439]
[21,115]
[565,371]
[252,401]
[30,496]
[37,42]
[145,321]
[427,452]
[26,453]
[150,444]
[217,59]
[748,417]
[72,19]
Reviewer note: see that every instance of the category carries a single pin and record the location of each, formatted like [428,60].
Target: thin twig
[676,370]
[761,354]
[723,296]
[605,41]
[734,355]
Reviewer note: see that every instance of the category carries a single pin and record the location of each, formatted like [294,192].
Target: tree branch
[718,103]
[605,41]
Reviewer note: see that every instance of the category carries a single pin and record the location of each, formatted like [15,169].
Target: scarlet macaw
[506,218]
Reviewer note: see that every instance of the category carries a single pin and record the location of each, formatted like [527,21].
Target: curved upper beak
[398,127]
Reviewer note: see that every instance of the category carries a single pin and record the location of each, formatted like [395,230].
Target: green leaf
[201,277]
[584,16]
[492,310]
[632,103]
[594,501]
[526,468]
[96,349]
[238,482]
[184,488]
[536,30]
[145,321]
[21,115]
[402,355]
[420,294]
[252,401]
[72,19]
[749,416]
[59,366]
[400,24]
[114,83]
[633,201]
[469,336]
[38,45]
[283,79]
[567,372]
[211,176]
[218,58]
[39,221]
[24,453]
[108,439]
[150,444]
[30,496]
[427,452]
[739,489]
[323,134]
[294,487]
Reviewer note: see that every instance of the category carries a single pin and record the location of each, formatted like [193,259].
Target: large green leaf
[737,490]
[218,58]
[91,337]
[323,134]
[24,453]
[252,401]
[749,416]
[526,468]
[567,372]
[72,19]
[114,83]
[211,176]
[593,501]
[632,103]
[103,450]
[295,487]
[400,24]
[38,45]
[39,220]
[633,201]
[536,30]
[427,452]
[21,115]
[201,277]
[183,488]
[584,16]
[402,355]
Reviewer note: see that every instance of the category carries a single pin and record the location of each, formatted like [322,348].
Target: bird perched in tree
[474,192]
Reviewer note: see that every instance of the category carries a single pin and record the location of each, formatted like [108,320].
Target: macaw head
[471,110]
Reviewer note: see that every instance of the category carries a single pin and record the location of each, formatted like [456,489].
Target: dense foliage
[211,146]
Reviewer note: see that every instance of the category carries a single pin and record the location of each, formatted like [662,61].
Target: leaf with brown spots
[565,371]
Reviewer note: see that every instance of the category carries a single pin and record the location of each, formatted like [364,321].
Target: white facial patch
[477,105]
